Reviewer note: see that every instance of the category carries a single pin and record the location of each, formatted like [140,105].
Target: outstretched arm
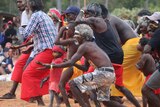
[20,46]
[80,52]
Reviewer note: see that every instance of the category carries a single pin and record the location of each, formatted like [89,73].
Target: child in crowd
[147,65]
[55,74]
[7,63]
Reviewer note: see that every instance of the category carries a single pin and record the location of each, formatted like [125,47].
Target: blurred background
[125,9]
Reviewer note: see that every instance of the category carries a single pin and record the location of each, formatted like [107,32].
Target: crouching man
[102,77]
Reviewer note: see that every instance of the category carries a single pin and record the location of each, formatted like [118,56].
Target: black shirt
[10,32]
[154,42]
[108,42]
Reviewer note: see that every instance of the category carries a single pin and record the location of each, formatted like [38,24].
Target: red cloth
[28,39]
[119,74]
[90,69]
[53,12]
[155,91]
[57,48]
[55,75]
[32,77]
[18,68]
[67,87]
[148,36]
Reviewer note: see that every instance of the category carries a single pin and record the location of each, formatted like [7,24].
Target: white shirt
[24,18]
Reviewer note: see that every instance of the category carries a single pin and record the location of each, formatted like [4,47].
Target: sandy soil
[5,87]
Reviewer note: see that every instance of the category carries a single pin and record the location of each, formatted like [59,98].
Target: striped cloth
[43,29]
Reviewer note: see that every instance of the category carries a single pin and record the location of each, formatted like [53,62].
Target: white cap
[154,17]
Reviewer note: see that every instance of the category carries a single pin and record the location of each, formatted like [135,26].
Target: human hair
[85,31]
[36,5]
[143,41]
[144,12]
[95,9]
[104,11]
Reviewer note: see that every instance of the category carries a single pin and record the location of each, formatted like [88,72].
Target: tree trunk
[78,3]
[146,4]
[106,3]
[71,2]
[59,5]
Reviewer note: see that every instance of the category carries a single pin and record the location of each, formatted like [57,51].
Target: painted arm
[20,46]
[80,52]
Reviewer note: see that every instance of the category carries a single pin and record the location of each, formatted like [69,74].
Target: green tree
[8,6]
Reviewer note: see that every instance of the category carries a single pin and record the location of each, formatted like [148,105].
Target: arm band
[51,67]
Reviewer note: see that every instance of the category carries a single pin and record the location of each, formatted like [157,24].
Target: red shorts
[157,91]
[32,77]
[18,68]
[119,74]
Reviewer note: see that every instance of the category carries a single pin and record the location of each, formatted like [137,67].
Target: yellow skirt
[133,79]
[76,72]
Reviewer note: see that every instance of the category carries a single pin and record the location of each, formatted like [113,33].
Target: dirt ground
[5,87]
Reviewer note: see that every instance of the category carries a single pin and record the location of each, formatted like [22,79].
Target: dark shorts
[117,58]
